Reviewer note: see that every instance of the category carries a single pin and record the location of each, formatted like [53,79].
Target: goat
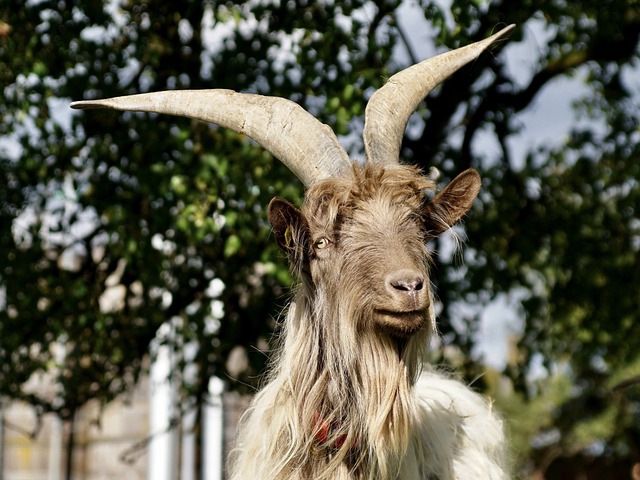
[347,396]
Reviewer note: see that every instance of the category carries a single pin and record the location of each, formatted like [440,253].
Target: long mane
[331,374]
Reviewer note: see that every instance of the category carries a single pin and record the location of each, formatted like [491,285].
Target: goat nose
[408,281]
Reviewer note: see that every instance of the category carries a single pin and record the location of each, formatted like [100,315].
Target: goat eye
[322,243]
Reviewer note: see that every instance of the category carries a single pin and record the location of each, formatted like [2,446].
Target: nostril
[406,281]
[407,285]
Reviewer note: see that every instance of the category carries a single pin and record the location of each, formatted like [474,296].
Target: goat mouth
[402,324]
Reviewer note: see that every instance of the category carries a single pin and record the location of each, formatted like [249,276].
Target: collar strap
[323,430]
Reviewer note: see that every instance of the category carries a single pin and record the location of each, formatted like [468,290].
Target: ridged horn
[309,148]
[389,108]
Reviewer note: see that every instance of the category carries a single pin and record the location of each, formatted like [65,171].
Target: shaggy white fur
[471,441]
[455,435]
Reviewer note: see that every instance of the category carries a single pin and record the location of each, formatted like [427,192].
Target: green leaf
[231,246]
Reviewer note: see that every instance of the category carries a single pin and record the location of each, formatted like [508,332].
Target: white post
[56,437]
[188,424]
[213,430]
[187,471]
[162,458]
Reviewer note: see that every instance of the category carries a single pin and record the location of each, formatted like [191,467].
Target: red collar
[323,430]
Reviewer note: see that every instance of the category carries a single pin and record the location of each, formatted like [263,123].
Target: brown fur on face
[362,236]
[364,228]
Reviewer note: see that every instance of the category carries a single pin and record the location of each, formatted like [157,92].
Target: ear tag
[288,236]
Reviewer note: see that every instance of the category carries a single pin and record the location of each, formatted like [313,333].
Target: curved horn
[306,146]
[389,108]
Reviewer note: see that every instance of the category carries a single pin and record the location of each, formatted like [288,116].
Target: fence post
[213,431]
[163,448]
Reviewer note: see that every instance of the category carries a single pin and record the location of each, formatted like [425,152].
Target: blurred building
[126,440]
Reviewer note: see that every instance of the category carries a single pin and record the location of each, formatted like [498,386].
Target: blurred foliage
[114,224]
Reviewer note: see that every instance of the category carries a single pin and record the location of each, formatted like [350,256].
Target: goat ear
[452,203]
[290,228]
